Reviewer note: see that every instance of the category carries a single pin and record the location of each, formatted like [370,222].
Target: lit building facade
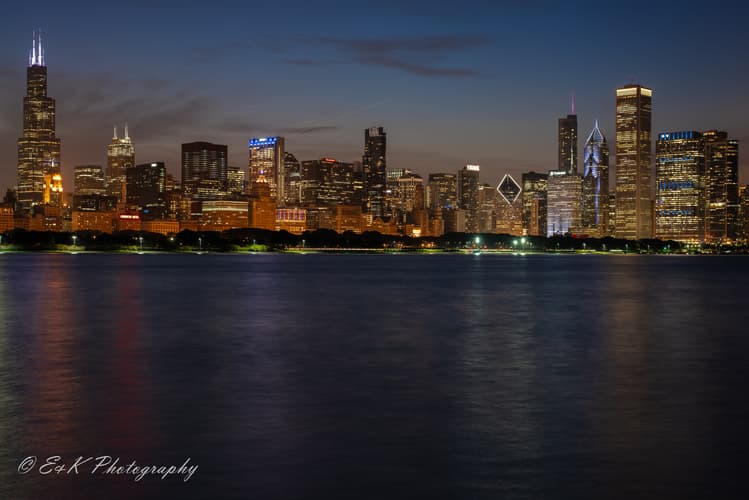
[534,198]
[89,179]
[267,159]
[509,207]
[564,197]
[235,180]
[204,169]
[595,184]
[442,191]
[633,157]
[374,171]
[39,148]
[120,157]
[468,196]
[721,187]
[679,187]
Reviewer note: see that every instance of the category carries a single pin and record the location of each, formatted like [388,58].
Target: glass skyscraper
[468,195]
[568,143]
[564,194]
[267,159]
[633,142]
[204,169]
[595,187]
[534,203]
[679,181]
[374,166]
[721,187]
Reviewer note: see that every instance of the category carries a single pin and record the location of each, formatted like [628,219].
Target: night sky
[457,83]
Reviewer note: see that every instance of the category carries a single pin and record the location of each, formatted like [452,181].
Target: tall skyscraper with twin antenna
[39,148]
[120,157]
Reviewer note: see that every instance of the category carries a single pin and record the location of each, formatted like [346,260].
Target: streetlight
[303,243]
[74,239]
[200,243]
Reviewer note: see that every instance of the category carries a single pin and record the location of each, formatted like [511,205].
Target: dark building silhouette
[468,196]
[374,165]
[146,187]
[568,142]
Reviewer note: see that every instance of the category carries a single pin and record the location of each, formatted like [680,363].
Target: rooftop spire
[115,132]
[127,135]
[573,103]
[36,56]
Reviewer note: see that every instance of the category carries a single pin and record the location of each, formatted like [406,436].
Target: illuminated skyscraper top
[39,148]
[120,157]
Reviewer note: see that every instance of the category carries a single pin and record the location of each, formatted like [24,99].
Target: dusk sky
[456,83]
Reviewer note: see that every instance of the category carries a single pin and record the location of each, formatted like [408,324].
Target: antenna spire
[115,132]
[127,135]
[33,48]
[573,103]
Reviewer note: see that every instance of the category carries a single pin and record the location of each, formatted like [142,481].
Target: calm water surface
[377,376]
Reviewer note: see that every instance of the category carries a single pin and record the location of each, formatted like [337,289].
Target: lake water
[376,376]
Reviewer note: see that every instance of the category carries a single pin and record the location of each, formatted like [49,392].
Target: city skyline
[457,89]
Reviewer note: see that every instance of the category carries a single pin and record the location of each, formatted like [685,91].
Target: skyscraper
[267,157]
[374,165]
[568,142]
[679,192]
[468,196]
[534,199]
[120,157]
[204,169]
[89,179]
[442,191]
[595,188]
[292,178]
[721,186]
[509,207]
[39,148]
[633,142]
[563,208]
[146,186]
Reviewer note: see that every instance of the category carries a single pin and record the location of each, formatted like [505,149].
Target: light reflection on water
[287,376]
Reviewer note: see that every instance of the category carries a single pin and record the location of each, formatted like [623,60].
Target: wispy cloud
[309,130]
[418,56]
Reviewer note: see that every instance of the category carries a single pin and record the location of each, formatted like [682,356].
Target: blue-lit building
[595,187]
[267,156]
[679,187]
